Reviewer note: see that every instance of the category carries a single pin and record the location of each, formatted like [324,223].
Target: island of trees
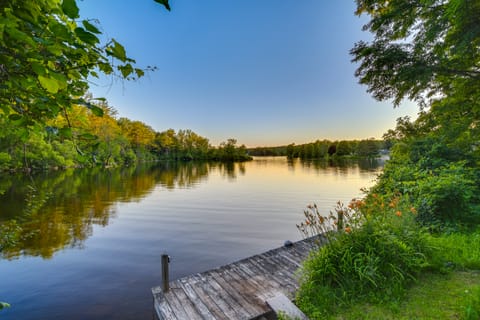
[326,149]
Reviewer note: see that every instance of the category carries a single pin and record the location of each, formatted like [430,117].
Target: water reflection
[203,214]
[56,210]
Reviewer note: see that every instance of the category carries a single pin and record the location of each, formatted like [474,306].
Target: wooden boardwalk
[235,291]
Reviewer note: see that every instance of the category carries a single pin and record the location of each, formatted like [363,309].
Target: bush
[5,161]
[444,197]
[377,252]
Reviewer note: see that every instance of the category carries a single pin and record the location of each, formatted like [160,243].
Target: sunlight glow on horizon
[264,73]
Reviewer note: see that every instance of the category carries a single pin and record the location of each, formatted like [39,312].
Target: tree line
[324,149]
[82,138]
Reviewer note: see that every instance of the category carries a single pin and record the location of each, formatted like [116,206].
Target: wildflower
[348,229]
[398,213]
[413,210]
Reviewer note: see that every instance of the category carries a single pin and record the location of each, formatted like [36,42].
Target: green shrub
[373,257]
[444,197]
[5,161]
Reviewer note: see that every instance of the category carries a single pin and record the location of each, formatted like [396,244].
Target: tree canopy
[421,49]
[47,56]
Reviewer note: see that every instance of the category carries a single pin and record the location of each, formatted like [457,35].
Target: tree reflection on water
[47,212]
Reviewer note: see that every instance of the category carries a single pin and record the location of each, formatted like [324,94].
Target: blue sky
[269,72]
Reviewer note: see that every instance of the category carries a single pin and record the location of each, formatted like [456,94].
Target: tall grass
[459,250]
[377,251]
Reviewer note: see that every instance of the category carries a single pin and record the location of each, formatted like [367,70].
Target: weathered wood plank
[197,301]
[235,292]
[161,306]
[176,305]
[225,298]
[211,305]
[203,287]
[246,288]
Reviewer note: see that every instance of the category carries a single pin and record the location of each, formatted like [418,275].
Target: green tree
[421,49]
[343,148]
[367,148]
[47,55]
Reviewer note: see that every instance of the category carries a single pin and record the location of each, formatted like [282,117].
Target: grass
[435,296]
[390,269]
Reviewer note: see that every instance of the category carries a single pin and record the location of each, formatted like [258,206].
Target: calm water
[93,238]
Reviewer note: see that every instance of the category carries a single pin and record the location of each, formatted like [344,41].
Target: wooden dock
[238,290]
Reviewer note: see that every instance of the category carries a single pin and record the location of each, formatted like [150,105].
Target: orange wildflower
[348,229]
[413,210]
[398,213]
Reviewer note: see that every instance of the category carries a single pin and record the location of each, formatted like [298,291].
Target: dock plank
[238,290]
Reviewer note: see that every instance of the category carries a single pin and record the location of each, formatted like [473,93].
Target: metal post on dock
[165,280]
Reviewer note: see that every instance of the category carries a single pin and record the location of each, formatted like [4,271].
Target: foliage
[472,307]
[428,51]
[48,55]
[268,151]
[459,250]
[281,315]
[378,251]
[325,149]
[4,305]
[419,48]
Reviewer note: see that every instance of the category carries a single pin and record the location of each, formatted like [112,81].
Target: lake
[92,238]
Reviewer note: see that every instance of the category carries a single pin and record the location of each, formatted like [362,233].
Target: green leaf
[86,36]
[126,70]
[95,110]
[88,136]
[140,73]
[70,8]
[164,3]
[65,132]
[90,27]
[117,51]
[59,30]
[49,84]
[105,68]
[60,78]
[14,117]
[4,305]
[38,68]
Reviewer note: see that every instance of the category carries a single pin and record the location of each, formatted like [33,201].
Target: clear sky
[265,72]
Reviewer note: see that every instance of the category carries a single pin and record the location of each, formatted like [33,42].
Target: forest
[83,138]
